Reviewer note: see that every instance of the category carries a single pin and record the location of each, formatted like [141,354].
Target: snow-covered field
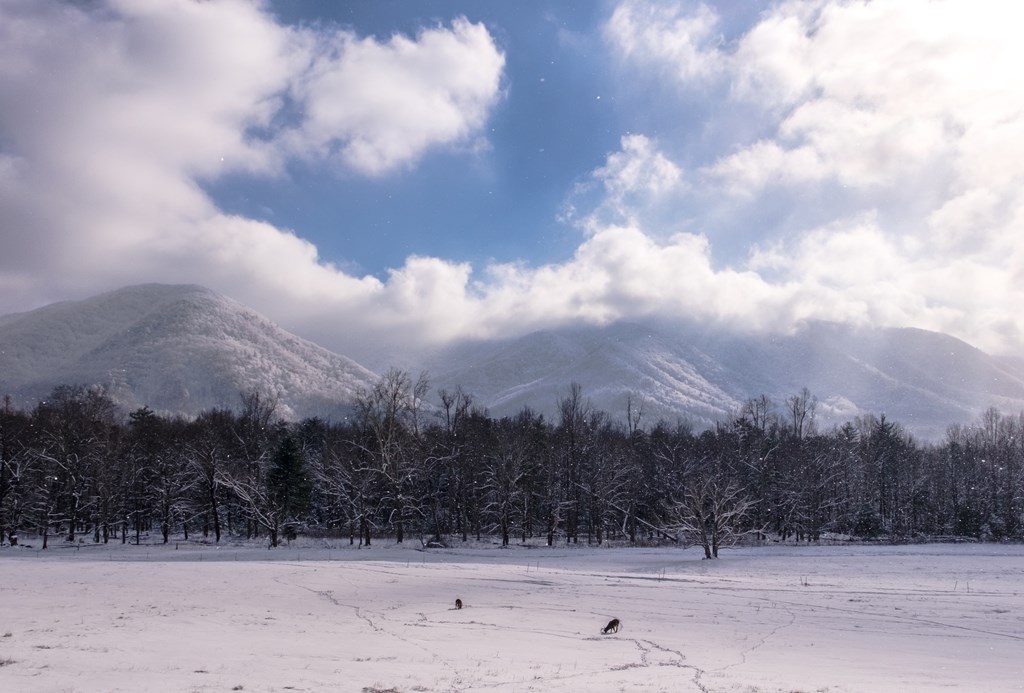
[774,619]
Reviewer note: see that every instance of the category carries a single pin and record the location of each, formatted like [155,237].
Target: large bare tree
[388,414]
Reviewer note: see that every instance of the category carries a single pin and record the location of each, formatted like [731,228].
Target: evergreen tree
[288,481]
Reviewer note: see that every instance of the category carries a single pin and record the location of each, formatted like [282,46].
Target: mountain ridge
[184,348]
[175,348]
[923,379]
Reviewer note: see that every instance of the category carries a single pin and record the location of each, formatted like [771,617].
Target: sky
[417,172]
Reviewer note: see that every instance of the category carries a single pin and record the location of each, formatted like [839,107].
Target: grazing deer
[612,627]
[458,603]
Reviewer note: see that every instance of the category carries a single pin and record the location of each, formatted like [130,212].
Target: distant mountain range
[924,380]
[176,349]
[183,349]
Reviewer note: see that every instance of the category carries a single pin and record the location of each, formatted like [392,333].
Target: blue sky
[566,102]
[547,128]
[372,173]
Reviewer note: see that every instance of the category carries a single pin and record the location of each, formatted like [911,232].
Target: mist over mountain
[176,349]
[182,349]
[923,380]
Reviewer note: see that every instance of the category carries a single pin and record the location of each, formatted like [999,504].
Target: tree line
[74,468]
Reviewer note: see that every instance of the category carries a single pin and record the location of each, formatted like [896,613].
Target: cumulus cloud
[630,187]
[668,34]
[115,112]
[906,117]
[381,105]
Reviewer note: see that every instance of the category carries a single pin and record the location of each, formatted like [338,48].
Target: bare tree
[634,412]
[714,511]
[75,425]
[388,414]
[13,458]
[332,463]
[760,412]
[208,451]
[801,409]
[574,445]
[815,486]
[605,476]
[507,467]
[155,450]
[454,468]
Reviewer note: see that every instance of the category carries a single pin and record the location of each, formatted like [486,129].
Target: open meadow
[311,617]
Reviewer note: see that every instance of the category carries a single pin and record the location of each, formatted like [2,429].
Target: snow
[183,349]
[705,374]
[175,348]
[317,618]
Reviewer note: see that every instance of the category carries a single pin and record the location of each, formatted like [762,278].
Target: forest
[404,468]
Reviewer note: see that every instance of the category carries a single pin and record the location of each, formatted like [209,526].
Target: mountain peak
[184,348]
[174,348]
[924,380]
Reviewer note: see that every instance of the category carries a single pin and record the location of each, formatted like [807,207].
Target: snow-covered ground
[311,618]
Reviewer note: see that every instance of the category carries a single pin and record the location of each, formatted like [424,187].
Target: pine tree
[288,481]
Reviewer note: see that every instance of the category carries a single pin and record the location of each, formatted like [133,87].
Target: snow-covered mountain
[924,380]
[177,349]
[184,349]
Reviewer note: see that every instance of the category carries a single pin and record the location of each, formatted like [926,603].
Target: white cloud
[885,92]
[637,168]
[114,111]
[662,33]
[763,164]
[890,146]
[383,104]
[906,117]
[632,183]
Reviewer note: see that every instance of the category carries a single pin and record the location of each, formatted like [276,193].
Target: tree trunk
[214,512]
[435,511]
[73,519]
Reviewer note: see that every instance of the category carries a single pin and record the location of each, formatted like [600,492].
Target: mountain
[611,364]
[179,349]
[924,380]
[182,349]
